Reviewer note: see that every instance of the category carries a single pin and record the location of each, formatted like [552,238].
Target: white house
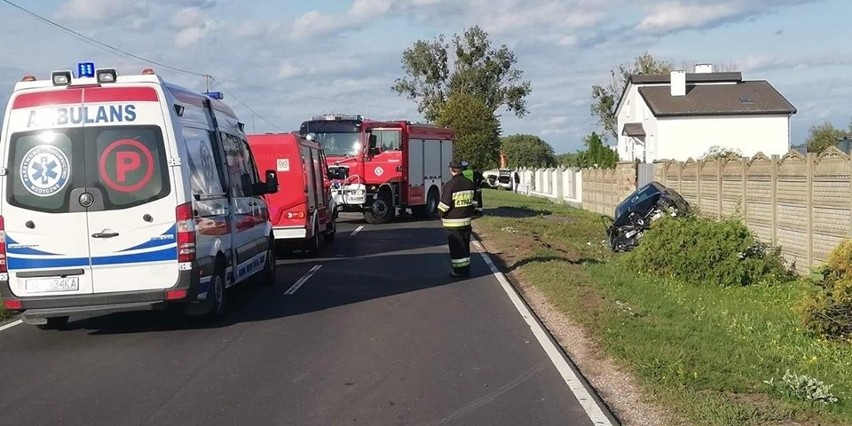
[682,115]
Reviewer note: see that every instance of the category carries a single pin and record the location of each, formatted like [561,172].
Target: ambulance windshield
[340,144]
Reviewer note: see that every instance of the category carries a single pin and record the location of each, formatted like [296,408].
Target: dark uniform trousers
[459,242]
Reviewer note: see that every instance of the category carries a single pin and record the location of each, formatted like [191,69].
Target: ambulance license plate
[46,285]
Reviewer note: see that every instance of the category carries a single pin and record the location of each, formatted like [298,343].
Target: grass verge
[702,352]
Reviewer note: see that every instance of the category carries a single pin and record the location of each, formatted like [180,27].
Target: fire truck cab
[380,168]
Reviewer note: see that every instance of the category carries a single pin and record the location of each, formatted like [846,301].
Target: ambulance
[126,193]
[304,211]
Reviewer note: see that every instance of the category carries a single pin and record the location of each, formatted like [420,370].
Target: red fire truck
[380,167]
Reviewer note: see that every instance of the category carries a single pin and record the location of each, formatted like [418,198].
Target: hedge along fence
[802,203]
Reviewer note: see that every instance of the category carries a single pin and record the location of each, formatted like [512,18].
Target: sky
[281,62]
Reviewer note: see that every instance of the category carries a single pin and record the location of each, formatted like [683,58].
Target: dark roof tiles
[742,98]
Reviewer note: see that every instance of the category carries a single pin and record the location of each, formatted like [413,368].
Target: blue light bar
[215,95]
[85,70]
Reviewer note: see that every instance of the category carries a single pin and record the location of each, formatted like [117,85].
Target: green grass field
[703,351]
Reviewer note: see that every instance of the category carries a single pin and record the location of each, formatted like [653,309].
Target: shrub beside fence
[802,203]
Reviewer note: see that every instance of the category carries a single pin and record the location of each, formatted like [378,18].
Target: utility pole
[207,82]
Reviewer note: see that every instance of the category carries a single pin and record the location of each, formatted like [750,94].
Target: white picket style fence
[557,184]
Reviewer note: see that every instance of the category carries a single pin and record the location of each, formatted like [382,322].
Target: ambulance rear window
[123,166]
[129,166]
[44,167]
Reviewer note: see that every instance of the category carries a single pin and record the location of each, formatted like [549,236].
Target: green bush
[697,249]
[827,309]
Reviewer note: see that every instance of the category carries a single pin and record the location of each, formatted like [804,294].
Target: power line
[272,89]
[103,46]
[118,52]
[222,87]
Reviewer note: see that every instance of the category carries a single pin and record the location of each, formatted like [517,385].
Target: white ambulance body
[123,193]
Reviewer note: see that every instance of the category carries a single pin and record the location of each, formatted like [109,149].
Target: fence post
[774,168]
[744,204]
[698,185]
[811,160]
[719,168]
[559,184]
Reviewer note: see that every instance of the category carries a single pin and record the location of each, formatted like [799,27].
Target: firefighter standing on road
[456,210]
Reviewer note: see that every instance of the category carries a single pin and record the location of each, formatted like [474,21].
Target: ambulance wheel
[216,296]
[267,277]
[312,246]
[329,234]
[54,323]
[382,210]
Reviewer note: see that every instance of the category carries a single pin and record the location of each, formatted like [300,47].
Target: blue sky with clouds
[288,60]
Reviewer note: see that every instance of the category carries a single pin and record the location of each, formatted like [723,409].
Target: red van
[303,209]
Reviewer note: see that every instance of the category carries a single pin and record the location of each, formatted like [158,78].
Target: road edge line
[298,284]
[9,325]
[591,403]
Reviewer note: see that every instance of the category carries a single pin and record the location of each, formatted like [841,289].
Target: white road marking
[593,410]
[10,325]
[357,230]
[295,287]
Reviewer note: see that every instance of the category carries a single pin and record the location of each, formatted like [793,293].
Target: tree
[605,98]
[597,155]
[718,152]
[435,69]
[824,136]
[569,159]
[527,151]
[477,130]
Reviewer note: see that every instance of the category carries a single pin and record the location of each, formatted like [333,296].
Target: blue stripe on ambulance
[34,259]
[164,239]
[166,254]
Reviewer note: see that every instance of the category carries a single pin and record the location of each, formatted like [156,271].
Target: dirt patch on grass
[612,382]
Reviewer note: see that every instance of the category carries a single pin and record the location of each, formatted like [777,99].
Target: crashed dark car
[634,215]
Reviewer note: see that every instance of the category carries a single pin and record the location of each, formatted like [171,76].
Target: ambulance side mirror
[271,184]
[268,187]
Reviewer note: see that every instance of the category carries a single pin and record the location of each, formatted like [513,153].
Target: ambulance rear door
[133,210]
[47,234]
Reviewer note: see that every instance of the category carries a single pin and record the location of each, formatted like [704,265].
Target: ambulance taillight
[3,267]
[185,227]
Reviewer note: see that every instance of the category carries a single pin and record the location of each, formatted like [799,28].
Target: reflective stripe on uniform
[465,261]
[456,223]
[443,207]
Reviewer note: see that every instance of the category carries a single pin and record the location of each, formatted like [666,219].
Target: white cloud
[675,15]
[95,11]
[192,25]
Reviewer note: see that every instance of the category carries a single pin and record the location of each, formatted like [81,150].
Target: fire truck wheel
[428,211]
[329,234]
[312,245]
[382,210]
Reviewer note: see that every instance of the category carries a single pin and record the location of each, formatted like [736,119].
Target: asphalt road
[378,334]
